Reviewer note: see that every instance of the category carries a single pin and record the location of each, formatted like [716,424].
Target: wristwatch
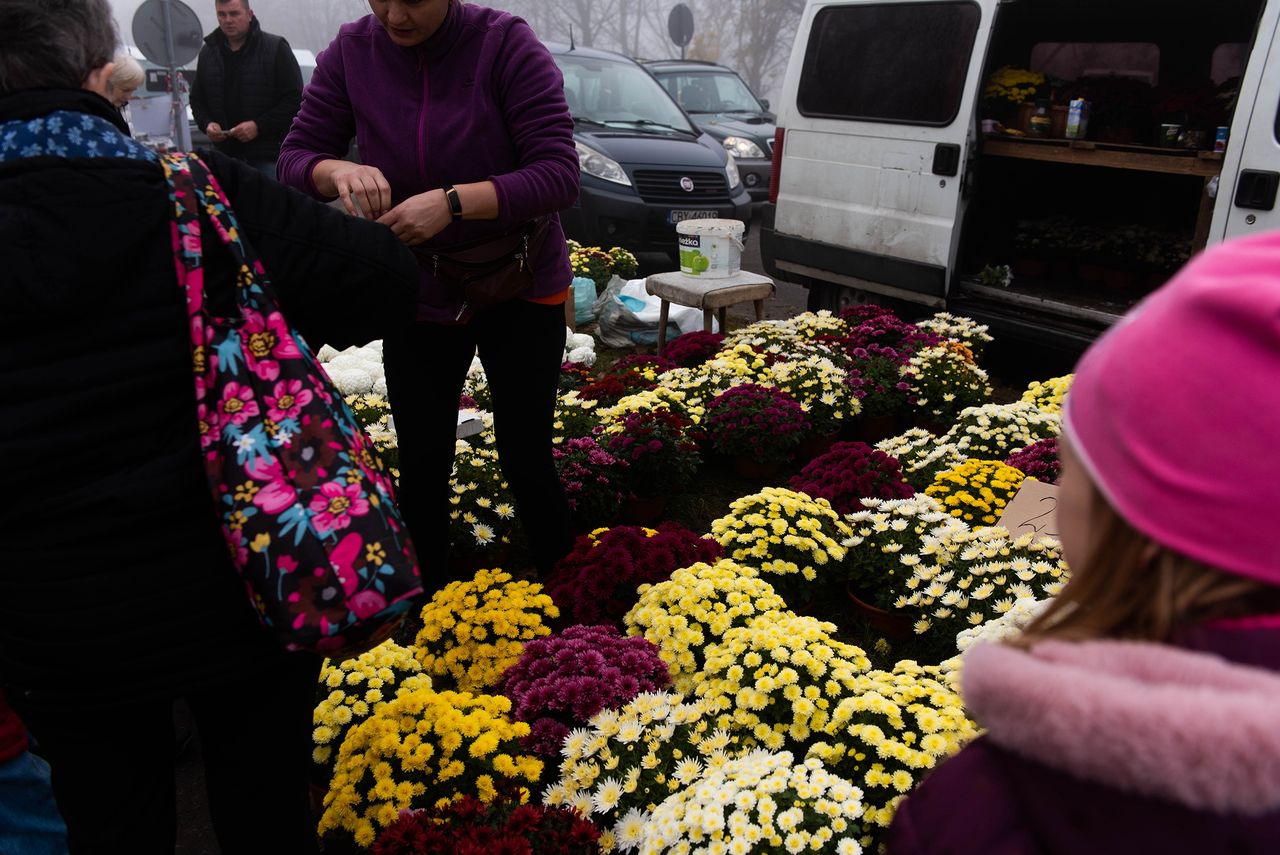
[455,201]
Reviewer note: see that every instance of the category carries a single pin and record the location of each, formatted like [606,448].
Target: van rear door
[1249,205]
[877,142]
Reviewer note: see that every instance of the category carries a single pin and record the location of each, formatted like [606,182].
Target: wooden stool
[709,295]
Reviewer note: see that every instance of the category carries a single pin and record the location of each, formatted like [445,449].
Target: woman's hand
[419,218]
[364,190]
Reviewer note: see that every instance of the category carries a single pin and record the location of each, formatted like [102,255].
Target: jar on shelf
[1041,122]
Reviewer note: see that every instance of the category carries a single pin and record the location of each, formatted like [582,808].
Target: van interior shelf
[1205,164]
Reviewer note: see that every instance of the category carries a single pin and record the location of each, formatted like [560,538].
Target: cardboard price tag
[1034,510]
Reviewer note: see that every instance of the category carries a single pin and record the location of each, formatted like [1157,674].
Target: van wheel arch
[834,298]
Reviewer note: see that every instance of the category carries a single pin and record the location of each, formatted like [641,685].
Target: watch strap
[455,201]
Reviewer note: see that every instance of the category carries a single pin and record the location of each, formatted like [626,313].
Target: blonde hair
[1133,588]
[128,73]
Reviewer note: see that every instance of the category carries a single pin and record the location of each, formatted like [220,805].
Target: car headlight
[743,147]
[731,172]
[595,163]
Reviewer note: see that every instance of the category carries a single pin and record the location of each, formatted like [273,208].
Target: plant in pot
[1007,89]
[575,417]
[482,517]
[882,555]
[967,331]
[593,263]
[661,453]
[994,431]
[884,397]
[473,631]
[921,455]
[976,491]
[693,609]
[945,380]
[694,348]
[793,539]
[624,263]
[1038,460]
[968,576]
[506,823]
[821,387]
[574,375]
[849,473]
[888,330]
[597,581]
[758,426]
[590,477]
[561,681]
[1048,395]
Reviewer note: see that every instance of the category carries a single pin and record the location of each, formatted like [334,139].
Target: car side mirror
[764,102]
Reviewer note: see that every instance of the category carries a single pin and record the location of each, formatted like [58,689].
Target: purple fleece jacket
[482,99]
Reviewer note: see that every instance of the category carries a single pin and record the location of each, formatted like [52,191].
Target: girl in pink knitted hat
[1141,712]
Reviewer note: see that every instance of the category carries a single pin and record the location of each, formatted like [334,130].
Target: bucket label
[694,262]
[691,241]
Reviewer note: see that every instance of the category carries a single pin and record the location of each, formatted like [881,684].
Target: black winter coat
[115,583]
[261,82]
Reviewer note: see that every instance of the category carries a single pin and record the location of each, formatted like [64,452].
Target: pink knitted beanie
[1175,411]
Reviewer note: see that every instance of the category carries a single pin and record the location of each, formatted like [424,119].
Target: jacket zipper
[422,119]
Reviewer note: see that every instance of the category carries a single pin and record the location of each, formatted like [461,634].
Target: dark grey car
[723,106]
[646,166]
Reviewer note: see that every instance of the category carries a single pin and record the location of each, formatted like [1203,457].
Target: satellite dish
[680,25]
[167,32]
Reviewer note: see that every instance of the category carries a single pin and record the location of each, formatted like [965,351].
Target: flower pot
[815,445]
[754,468]
[896,626]
[1025,111]
[643,510]
[1058,119]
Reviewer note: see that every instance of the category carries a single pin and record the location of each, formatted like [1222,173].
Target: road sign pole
[178,94]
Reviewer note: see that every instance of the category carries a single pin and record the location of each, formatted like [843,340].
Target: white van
[889,185]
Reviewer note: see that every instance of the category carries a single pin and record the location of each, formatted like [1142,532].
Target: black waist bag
[491,271]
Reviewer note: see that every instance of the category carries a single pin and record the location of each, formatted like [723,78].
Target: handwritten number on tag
[1051,504]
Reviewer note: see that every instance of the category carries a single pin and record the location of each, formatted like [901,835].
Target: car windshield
[710,92]
[619,95]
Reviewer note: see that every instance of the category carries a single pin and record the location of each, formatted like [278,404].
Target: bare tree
[313,29]
[757,42]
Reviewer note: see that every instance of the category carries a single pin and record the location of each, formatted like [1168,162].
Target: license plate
[680,216]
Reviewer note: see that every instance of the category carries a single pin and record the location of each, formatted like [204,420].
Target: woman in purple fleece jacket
[1141,712]
[444,96]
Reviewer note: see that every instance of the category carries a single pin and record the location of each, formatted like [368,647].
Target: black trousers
[520,345]
[113,769]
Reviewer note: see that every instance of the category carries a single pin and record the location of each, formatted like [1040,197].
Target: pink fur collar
[1145,718]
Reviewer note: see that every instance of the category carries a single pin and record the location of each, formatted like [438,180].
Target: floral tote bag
[305,503]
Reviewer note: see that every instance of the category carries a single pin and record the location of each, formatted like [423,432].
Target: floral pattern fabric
[306,504]
[67,134]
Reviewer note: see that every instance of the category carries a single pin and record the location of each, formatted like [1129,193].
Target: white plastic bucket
[710,249]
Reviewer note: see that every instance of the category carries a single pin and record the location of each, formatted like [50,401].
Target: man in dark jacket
[248,88]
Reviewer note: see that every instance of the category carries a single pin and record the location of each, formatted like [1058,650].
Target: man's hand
[244,132]
[419,218]
[215,133]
